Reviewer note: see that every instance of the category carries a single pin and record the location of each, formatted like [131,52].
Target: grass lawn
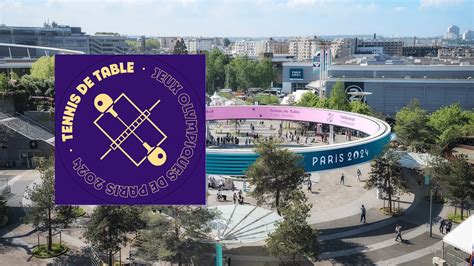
[56,250]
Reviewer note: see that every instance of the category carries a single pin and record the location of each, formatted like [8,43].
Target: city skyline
[259,18]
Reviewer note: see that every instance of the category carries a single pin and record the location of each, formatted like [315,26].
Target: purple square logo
[130,129]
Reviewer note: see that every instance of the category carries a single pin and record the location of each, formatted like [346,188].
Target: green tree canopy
[386,175]
[275,173]
[175,234]
[456,177]
[216,62]
[42,210]
[338,98]
[43,68]
[180,47]
[360,108]
[109,226]
[450,124]
[152,44]
[3,82]
[412,127]
[226,42]
[294,238]
[310,99]
[243,73]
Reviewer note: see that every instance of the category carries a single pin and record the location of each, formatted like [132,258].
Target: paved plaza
[335,213]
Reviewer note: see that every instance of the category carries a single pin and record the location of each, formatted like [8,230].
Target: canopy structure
[414,160]
[462,237]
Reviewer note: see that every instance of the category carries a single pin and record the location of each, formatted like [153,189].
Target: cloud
[439,3]
[305,3]
[399,8]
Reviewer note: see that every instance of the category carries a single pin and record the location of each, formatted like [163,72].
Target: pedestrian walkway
[347,241]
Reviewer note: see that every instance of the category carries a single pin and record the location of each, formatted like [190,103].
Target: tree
[109,225]
[43,68]
[180,47]
[226,42]
[42,210]
[3,207]
[174,234]
[450,124]
[308,99]
[275,173]
[216,62]
[133,45]
[412,127]
[265,74]
[338,98]
[360,108]
[3,82]
[294,238]
[456,177]
[152,44]
[386,175]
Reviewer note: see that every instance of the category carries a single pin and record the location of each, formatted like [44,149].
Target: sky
[246,18]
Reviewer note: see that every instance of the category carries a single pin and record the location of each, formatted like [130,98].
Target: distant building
[456,52]
[296,75]
[343,48]
[420,51]
[244,47]
[452,33]
[395,86]
[108,44]
[468,35]
[388,46]
[198,45]
[304,48]
[167,42]
[279,47]
[57,36]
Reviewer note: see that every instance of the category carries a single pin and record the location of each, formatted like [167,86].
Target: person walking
[449,225]
[362,213]
[398,232]
[235,198]
[442,224]
[358,175]
[310,184]
[342,179]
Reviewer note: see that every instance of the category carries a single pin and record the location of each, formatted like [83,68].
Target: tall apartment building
[343,48]
[244,47]
[54,35]
[108,44]
[452,33]
[303,48]
[468,35]
[389,46]
[279,47]
[167,42]
[198,45]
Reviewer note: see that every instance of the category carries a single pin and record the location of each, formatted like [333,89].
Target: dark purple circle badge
[130,129]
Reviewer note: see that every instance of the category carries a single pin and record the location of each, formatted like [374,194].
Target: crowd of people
[304,135]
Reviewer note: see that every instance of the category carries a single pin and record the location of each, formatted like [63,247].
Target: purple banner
[130,129]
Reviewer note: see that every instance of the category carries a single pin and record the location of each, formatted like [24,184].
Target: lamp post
[431,208]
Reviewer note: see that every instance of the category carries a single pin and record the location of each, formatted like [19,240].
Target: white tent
[462,236]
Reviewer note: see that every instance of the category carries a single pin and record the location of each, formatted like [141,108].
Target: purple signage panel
[324,116]
[130,129]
